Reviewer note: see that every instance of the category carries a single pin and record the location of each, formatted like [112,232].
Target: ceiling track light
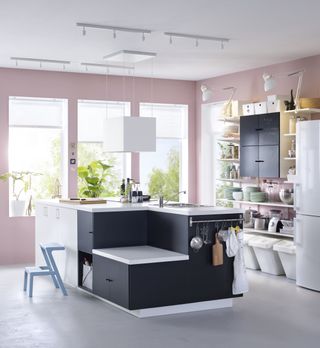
[222,40]
[40,61]
[114,29]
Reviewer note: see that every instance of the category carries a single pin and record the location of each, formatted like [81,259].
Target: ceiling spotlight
[170,40]
[197,43]
[84,31]
[222,45]
[269,82]
[114,34]
[206,93]
[143,37]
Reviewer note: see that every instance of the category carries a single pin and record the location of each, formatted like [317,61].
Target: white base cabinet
[58,225]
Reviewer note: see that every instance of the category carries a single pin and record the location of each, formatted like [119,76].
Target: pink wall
[249,86]
[17,234]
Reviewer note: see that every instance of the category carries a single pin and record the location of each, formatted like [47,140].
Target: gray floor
[274,314]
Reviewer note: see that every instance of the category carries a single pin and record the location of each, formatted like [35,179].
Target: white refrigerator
[307,204]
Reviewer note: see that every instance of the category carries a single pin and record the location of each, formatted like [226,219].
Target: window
[91,116]
[166,171]
[35,155]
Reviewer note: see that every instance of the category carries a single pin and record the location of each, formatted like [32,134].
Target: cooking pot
[260,223]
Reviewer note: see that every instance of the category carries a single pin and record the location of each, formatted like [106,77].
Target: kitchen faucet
[161,203]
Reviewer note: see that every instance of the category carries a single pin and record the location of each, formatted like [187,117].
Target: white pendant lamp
[130,134]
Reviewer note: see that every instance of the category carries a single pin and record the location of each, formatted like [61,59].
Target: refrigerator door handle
[297,232]
[296,197]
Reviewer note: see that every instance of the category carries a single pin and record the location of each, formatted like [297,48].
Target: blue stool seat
[50,269]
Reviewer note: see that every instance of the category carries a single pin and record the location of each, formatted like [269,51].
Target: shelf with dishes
[268,204]
[304,111]
[266,232]
[240,181]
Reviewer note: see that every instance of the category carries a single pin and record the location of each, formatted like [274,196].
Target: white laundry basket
[287,253]
[268,259]
[250,258]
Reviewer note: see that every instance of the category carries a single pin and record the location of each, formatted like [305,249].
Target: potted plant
[93,178]
[21,183]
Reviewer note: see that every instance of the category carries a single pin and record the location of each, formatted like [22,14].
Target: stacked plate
[229,190]
[248,190]
[258,196]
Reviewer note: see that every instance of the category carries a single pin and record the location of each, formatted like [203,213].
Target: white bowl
[237,196]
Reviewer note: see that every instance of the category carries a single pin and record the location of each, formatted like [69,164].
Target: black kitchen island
[141,256]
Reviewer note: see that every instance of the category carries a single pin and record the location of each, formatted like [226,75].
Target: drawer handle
[259,161]
[91,232]
[259,129]
[109,280]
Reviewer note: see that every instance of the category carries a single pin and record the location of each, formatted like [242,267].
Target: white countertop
[142,254]
[111,206]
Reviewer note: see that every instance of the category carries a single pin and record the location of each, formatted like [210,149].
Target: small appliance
[273,223]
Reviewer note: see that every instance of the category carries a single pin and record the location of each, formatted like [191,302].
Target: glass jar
[292,124]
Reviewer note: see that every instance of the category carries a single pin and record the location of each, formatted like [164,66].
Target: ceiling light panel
[126,56]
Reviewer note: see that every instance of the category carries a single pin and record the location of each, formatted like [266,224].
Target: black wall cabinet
[260,145]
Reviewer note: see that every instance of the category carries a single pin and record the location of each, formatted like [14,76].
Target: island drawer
[111,280]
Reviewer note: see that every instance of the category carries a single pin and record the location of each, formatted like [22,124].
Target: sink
[182,205]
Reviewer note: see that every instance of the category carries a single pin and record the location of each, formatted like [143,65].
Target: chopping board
[83,201]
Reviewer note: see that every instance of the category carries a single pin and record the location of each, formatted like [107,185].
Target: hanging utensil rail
[191,221]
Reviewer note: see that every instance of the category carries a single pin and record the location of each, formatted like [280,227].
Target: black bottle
[123,188]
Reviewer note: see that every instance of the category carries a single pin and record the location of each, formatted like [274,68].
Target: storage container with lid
[268,259]
[287,253]
[250,258]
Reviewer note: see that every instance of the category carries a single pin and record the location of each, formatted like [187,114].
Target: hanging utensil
[196,242]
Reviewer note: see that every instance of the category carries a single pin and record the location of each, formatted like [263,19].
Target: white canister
[292,124]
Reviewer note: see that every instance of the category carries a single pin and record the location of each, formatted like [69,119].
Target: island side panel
[116,229]
[168,231]
[196,280]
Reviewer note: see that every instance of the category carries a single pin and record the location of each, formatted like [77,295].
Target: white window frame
[126,157]
[184,147]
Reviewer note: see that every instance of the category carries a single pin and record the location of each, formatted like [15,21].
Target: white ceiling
[260,32]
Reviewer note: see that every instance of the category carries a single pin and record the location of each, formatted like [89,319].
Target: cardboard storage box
[274,106]
[260,108]
[248,109]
